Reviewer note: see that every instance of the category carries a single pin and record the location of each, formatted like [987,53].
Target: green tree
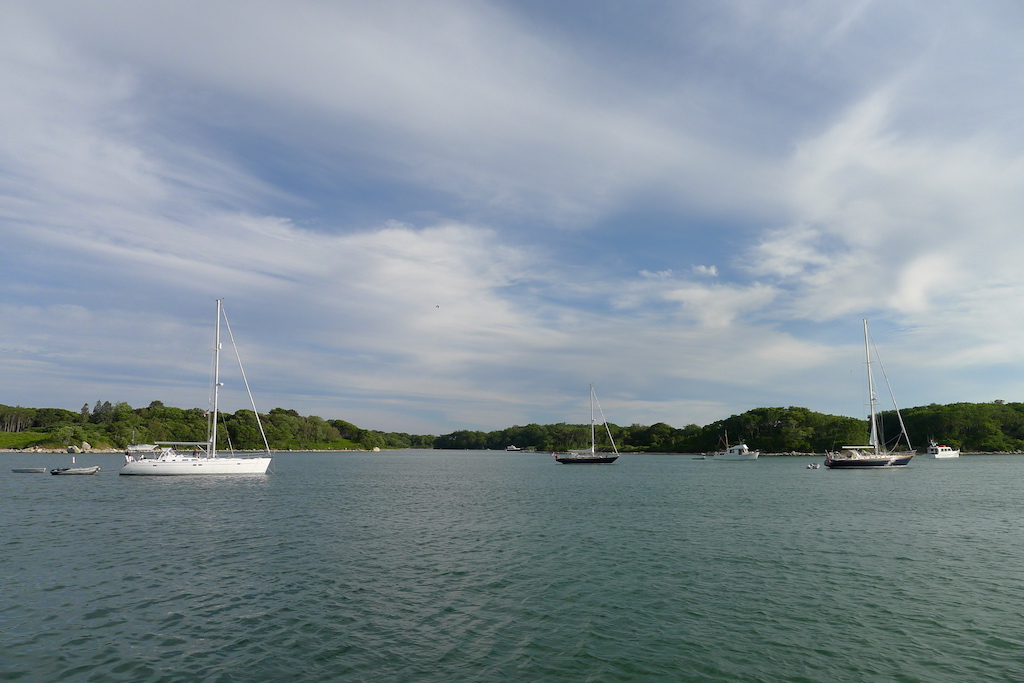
[16,418]
[68,434]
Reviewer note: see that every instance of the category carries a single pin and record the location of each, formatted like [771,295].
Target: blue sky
[425,217]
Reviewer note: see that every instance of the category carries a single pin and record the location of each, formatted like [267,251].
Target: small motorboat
[29,470]
[76,470]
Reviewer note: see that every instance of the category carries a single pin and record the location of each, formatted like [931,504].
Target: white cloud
[719,306]
[421,92]
[815,172]
[787,253]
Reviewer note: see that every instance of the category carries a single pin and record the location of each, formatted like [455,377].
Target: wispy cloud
[426,217]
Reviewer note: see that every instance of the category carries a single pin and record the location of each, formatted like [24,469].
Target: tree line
[118,425]
[978,427]
[973,427]
[774,430]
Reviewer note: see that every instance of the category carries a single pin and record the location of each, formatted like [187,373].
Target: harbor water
[493,566]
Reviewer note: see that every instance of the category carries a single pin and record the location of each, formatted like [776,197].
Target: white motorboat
[940,451]
[200,457]
[738,451]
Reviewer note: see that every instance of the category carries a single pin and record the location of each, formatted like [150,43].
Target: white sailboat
[200,457]
[874,454]
[591,456]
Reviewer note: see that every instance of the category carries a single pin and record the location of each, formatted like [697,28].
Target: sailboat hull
[868,462]
[195,466]
[586,459]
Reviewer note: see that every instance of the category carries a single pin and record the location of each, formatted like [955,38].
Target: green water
[491,566]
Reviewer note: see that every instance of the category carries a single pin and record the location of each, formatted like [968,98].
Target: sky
[425,217]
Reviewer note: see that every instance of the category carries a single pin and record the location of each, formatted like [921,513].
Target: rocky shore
[84,447]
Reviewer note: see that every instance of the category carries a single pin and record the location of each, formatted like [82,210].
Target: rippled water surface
[481,566]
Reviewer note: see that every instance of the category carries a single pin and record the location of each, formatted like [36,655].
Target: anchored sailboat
[874,454]
[203,457]
[591,456]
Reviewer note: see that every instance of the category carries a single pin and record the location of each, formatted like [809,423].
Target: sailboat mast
[593,440]
[871,390]
[216,380]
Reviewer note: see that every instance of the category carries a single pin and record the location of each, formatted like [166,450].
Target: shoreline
[66,451]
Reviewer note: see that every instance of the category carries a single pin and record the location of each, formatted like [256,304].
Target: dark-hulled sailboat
[591,456]
[875,453]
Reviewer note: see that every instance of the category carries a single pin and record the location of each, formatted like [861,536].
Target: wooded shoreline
[996,427]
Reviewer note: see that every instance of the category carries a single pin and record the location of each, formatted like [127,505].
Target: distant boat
[513,448]
[937,451]
[29,470]
[874,454]
[203,459]
[738,451]
[591,456]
